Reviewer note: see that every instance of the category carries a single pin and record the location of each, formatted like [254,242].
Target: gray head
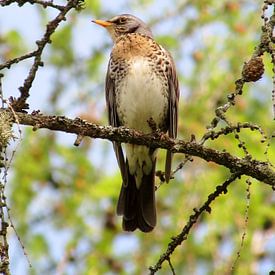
[123,24]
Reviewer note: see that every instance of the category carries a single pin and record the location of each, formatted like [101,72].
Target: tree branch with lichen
[246,166]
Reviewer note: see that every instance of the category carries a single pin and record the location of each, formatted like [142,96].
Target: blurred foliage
[62,51]
[63,198]
[11,45]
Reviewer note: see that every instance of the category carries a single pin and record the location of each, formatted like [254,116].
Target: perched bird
[141,86]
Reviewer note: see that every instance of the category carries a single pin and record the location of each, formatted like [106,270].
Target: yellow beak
[102,23]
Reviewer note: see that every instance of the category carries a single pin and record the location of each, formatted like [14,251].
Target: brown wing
[172,111]
[114,121]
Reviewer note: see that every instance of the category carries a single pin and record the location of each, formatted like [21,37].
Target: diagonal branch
[20,103]
[252,70]
[176,241]
[246,166]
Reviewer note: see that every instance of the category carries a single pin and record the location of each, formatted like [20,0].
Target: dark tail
[137,206]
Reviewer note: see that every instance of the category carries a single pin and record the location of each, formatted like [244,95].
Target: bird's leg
[157,131]
[152,124]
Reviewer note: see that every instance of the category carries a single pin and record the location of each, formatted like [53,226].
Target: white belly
[141,97]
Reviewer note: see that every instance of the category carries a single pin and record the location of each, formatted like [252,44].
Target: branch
[231,129]
[246,166]
[253,69]
[44,4]
[18,59]
[176,241]
[20,103]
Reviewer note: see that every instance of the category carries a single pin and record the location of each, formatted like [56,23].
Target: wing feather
[174,93]
[114,120]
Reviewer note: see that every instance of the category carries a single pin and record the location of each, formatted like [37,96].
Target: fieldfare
[141,87]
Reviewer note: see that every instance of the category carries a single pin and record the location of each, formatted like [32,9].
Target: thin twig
[231,129]
[44,4]
[15,231]
[248,181]
[18,59]
[260,49]
[20,103]
[171,266]
[181,164]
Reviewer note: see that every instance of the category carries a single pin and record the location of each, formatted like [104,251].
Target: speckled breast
[138,68]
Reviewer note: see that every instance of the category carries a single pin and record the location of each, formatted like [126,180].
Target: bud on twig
[253,69]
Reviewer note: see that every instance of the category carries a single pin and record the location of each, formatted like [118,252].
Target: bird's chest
[141,94]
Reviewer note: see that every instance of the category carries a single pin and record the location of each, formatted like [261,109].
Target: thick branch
[250,167]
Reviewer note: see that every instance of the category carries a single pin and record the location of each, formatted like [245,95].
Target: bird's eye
[122,20]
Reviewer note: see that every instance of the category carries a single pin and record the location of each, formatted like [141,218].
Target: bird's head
[123,24]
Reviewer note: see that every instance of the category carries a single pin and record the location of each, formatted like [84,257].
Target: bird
[142,93]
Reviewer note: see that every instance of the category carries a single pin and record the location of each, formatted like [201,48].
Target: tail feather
[137,205]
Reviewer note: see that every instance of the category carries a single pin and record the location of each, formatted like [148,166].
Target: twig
[252,70]
[248,181]
[44,4]
[176,241]
[179,167]
[269,140]
[18,59]
[17,235]
[20,103]
[230,129]
[273,69]
[78,140]
[171,266]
